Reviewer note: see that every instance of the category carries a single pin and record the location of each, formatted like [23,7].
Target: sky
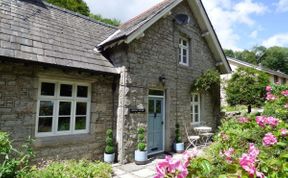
[239,24]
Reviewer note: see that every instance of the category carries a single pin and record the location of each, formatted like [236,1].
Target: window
[284,81]
[63,108]
[183,51]
[195,108]
[276,79]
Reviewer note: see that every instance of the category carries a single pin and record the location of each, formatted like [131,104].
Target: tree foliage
[247,87]
[79,6]
[114,22]
[275,58]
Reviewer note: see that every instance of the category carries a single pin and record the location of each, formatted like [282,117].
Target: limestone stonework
[18,99]
[143,61]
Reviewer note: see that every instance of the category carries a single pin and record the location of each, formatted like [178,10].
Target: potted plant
[141,152]
[179,145]
[109,154]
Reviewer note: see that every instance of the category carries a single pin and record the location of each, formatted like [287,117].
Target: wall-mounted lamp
[162,79]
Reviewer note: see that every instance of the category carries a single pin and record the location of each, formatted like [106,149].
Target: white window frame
[193,104]
[181,48]
[57,99]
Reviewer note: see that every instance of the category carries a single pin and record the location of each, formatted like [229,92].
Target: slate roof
[37,31]
[137,22]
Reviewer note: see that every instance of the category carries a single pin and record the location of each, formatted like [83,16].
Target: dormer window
[183,51]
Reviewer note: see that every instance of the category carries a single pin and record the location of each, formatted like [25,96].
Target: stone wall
[18,98]
[143,61]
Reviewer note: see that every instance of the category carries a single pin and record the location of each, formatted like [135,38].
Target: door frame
[164,120]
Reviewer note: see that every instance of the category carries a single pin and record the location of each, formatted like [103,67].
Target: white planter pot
[109,158]
[140,157]
[179,147]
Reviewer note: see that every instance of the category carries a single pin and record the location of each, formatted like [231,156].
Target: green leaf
[282,144]
[206,166]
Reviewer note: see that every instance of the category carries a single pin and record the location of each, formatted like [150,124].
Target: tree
[81,7]
[247,87]
[276,58]
[98,17]
[78,6]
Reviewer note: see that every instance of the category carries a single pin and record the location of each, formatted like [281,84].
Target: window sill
[184,66]
[54,141]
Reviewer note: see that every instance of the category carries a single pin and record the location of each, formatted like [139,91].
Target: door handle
[155,114]
[162,122]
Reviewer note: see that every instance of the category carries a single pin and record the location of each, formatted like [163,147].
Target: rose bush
[250,146]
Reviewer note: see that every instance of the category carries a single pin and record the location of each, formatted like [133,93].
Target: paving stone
[118,172]
[128,176]
[144,173]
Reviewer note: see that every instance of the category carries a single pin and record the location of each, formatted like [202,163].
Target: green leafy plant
[141,139]
[13,161]
[109,149]
[277,105]
[247,87]
[70,168]
[206,81]
[177,133]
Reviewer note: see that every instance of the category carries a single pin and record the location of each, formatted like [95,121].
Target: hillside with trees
[81,7]
[275,58]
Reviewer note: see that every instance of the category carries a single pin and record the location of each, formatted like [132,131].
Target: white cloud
[226,16]
[254,34]
[120,9]
[282,6]
[276,40]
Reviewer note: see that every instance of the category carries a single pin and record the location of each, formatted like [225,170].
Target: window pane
[185,59]
[184,43]
[80,123]
[64,108]
[45,124]
[47,89]
[158,106]
[196,118]
[192,111]
[63,123]
[151,106]
[81,108]
[65,90]
[82,91]
[46,108]
[196,109]
[184,52]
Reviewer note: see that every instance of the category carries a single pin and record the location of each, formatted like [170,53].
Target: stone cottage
[65,79]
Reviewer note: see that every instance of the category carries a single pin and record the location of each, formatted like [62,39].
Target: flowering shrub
[246,147]
[277,101]
[174,167]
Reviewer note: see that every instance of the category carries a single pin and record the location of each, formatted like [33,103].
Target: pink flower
[270,97]
[243,120]
[269,139]
[263,120]
[253,151]
[286,106]
[285,92]
[247,161]
[171,167]
[284,132]
[188,155]
[228,153]
[272,121]
[260,120]
[268,88]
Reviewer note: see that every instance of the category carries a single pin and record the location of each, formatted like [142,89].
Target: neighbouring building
[274,76]
[65,79]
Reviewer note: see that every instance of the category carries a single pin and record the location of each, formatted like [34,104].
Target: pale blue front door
[155,125]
